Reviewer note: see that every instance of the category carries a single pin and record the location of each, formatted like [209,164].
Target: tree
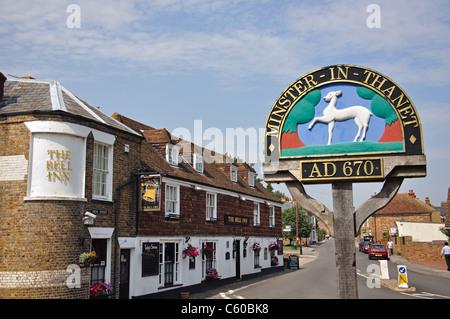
[280,195]
[289,218]
[381,108]
[446,232]
[302,112]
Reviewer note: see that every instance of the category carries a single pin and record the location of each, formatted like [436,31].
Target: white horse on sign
[331,114]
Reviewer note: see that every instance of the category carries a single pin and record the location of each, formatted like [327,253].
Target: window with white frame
[233,173]
[211,206]
[198,163]
[172,154]
[169,264]
[271,216]
[172,200]
[101,188]
[256,215]
[208,258]
[251,179]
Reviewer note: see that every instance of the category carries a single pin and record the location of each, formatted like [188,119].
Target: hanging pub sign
[150,193]
[342,122]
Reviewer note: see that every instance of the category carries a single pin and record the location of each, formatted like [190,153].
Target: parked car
[378,251]
[364,240]
[366,247]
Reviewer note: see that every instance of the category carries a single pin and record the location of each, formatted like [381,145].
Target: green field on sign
[344,148]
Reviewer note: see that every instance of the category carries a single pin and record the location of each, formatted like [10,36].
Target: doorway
[237,252]
[169,264]
[124,279]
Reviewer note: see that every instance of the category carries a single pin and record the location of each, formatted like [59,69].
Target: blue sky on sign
[168,63]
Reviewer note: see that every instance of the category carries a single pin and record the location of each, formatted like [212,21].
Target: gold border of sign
[349,178]
[338,81]
[157,192]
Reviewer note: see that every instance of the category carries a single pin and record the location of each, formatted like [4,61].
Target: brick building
[60,157]
[403,207]
[151,194]
[201,199]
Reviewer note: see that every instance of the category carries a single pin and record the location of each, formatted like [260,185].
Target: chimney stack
[411,193]
[427,201]
[2,86]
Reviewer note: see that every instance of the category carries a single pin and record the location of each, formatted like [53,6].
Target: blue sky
[169,62]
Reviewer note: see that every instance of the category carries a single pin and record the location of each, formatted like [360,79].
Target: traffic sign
[402,280]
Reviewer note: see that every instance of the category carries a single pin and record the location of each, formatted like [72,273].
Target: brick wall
[193,217]
[39,239]
[383,222]
[417,251]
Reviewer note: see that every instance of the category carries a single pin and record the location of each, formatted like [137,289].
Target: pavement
[424,268]
[419,267]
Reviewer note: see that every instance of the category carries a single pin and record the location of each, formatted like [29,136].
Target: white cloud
[234,39]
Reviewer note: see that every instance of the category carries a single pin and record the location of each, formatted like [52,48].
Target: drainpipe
[133,178]
[116,227]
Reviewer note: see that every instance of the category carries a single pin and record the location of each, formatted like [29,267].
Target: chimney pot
[2,85]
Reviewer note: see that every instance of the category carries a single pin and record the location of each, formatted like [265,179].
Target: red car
[378,251]
[366,247]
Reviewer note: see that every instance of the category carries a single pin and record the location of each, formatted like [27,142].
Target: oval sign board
[341,122]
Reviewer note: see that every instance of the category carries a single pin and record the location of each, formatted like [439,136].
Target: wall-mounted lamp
[187,239]
[88,218]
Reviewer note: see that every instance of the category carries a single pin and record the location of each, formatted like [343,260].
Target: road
[316,279]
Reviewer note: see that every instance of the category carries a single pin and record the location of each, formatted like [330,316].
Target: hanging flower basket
[190,251]
[211,273]
[274,261]
[208,251]
[273,247]
[256,247]
[101,290]
[87,258]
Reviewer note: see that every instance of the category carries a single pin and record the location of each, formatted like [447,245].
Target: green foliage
[446,232]
[379,106]
[288,219]
[302,112]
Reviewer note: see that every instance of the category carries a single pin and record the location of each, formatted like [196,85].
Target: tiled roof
[406,204]
[30,95]
[212,175]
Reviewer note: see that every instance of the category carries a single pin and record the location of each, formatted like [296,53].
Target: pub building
[202,217]
[61,163]
[75,181]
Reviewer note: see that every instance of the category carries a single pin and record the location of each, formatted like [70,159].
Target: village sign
[343,124]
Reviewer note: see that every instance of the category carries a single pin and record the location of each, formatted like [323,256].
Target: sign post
[402,280]
[340,125]
[345,243]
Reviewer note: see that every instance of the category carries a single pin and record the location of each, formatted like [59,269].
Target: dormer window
[251,179]
[198,163]
[172,154]
[233,173]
